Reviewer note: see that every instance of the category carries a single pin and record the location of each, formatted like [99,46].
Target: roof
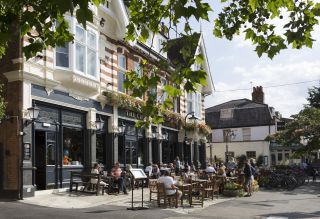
[174,53]
[246,113]
[175,56]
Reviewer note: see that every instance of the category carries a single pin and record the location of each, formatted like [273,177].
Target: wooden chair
[197,194]
[162,194]
[186,190]
[209,189]
[153,189]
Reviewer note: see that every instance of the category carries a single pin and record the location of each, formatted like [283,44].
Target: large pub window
[73,138]
[72,146]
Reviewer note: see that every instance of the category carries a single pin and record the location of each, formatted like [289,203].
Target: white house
[239,127]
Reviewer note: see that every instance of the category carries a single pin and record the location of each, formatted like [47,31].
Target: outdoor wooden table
[186,190]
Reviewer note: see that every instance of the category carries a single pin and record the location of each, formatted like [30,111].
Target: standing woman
[248,178]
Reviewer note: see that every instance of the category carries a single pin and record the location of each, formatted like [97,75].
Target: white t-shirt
[168,182]
[148,170]
[94,181]
[210,169]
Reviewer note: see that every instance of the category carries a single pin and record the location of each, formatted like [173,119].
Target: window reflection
[72,146]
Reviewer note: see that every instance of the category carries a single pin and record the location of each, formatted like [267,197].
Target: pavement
[63,199]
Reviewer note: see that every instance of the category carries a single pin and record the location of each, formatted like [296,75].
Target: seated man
[210,169]
[167,180]
[96,169]
[148,169]
[116,174]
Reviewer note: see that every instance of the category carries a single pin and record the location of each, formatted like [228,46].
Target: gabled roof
[174,53]
[245,113]
[175,56]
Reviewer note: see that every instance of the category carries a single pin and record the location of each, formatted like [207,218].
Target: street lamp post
[229,134]
[194,118]
[122,130]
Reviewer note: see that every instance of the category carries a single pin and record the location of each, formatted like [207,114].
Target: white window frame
[195,99]
[137,68]
[122,69]
[72,50]
[246,134]
[226,113]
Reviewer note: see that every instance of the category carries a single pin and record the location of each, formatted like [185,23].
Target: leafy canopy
[37,20]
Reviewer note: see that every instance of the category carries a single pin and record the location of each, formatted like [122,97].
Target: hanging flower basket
[204,129]
[124,101]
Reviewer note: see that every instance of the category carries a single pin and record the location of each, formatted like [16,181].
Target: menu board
[138,173]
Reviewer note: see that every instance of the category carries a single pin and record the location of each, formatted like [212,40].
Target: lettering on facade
[132,114]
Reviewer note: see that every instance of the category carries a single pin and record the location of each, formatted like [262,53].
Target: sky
[235,65]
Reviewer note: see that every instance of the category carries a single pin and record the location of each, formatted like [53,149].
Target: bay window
[82,55]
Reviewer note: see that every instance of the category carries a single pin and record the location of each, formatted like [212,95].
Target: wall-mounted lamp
[33,113]
[165,136]
[99,124]
[154,135]
[121,129]
[102,21]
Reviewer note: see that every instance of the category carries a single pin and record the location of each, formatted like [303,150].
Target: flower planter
[232,193]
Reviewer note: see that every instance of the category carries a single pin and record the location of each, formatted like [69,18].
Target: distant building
[241,126]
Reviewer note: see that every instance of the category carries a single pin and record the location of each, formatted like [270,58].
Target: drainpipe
[20,137]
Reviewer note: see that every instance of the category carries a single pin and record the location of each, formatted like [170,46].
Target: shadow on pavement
[308,188]
[292,215]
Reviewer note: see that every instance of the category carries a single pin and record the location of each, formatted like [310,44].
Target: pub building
[59,120]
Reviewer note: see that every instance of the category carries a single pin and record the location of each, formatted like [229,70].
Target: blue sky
[235,65]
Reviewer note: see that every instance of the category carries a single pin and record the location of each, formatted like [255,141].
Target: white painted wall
[257,133]
[239,148]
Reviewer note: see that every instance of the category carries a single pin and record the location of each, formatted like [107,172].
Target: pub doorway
[45,160]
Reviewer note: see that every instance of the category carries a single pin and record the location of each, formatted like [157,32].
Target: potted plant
[232,189]
[255,186]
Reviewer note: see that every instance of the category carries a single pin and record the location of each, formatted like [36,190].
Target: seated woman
[186,175]
[155,171]
[222,171]
[96,169]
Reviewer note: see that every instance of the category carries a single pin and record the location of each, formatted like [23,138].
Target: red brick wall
[9,140]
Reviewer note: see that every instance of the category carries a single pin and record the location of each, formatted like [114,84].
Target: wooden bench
[84,179]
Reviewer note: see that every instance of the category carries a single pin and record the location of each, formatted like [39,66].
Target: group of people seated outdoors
[163,173]
[116,173]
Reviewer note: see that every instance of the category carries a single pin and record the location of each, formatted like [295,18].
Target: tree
[304,129]
[314,97]
[38,20]
[3,104]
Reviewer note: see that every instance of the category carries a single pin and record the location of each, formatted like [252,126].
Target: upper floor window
[82,55]
[122,66]
[246,134]
[194,104]
[138,69]
[226,113]
[62,56]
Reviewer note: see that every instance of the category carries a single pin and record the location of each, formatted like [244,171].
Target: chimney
[258,95]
